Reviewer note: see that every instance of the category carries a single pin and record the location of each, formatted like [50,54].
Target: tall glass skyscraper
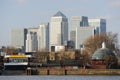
[76,22]
[82,33]
[58,29]
[99,24]
[18,37]
[43,36]
[31,41]
[82,28]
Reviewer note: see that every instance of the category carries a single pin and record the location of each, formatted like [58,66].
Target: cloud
[114,3]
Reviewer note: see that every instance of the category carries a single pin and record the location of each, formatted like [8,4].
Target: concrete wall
[79,72]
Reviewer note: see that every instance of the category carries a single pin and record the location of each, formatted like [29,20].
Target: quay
[54,71]
[77,72]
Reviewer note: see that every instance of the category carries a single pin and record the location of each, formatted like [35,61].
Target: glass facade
[82,28]
[99,24]
[82,33]
[76,22]
[18,37]
[43,36]
[58,29]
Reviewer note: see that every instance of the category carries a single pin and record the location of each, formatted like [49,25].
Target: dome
[100,53]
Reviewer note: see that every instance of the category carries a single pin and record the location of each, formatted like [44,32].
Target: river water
[76,77]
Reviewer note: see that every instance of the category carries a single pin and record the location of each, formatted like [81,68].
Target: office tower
[82,33]
[58,29]
[31,41]
[76,22]
[99,24]
[43,36]
[18,37]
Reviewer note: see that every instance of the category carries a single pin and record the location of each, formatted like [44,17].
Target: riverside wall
[45,71]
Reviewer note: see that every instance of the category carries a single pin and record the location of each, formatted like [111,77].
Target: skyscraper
[43,36]
[76,22]
[99,24]
[82,28]
[82,33]
[58,29]
[31,41]
[18,37]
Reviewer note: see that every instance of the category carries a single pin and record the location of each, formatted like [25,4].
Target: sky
[29,13]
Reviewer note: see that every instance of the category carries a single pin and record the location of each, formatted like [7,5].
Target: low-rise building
[57,48]
[103,58]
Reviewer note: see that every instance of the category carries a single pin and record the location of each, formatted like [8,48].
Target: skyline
[29,13]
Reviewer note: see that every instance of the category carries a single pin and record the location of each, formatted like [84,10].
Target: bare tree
[94,42]
[82,58]
[11,50]
[40,57]
[110,61]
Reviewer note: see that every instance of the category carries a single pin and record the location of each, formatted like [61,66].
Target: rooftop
[102,52]
[59,14]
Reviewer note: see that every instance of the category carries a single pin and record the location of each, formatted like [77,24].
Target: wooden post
[28,71]
[65,72]
[48,72]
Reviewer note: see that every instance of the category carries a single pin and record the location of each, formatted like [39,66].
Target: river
[68,77]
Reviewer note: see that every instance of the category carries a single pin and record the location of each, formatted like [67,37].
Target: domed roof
[100,53]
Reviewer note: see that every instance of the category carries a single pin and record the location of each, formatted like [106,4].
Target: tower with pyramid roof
[58,29]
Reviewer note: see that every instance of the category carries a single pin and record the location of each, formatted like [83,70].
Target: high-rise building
[58,29]
[99,24]
[82,33]
[76,22]
[18,37]
[31,41]
[43,36]
[82,28]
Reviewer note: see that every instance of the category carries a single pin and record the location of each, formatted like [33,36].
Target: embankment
[44,71]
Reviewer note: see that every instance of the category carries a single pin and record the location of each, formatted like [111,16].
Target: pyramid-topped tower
[59,14]
[58,29]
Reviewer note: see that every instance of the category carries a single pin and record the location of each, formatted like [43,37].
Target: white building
[18,37]
[76,22]
[57,48]
[99,24]
[58,29]
[82,33]
[31,41]
[82,28]
[43,36]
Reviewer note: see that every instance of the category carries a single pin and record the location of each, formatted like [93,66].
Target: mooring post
[65,72]
[28,71]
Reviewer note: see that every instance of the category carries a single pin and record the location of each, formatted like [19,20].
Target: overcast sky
[28,13]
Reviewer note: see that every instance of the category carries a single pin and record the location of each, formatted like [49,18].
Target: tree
[110,61]
[94,42]
[11,50]
[40,57]
[66,58]
[81,58]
